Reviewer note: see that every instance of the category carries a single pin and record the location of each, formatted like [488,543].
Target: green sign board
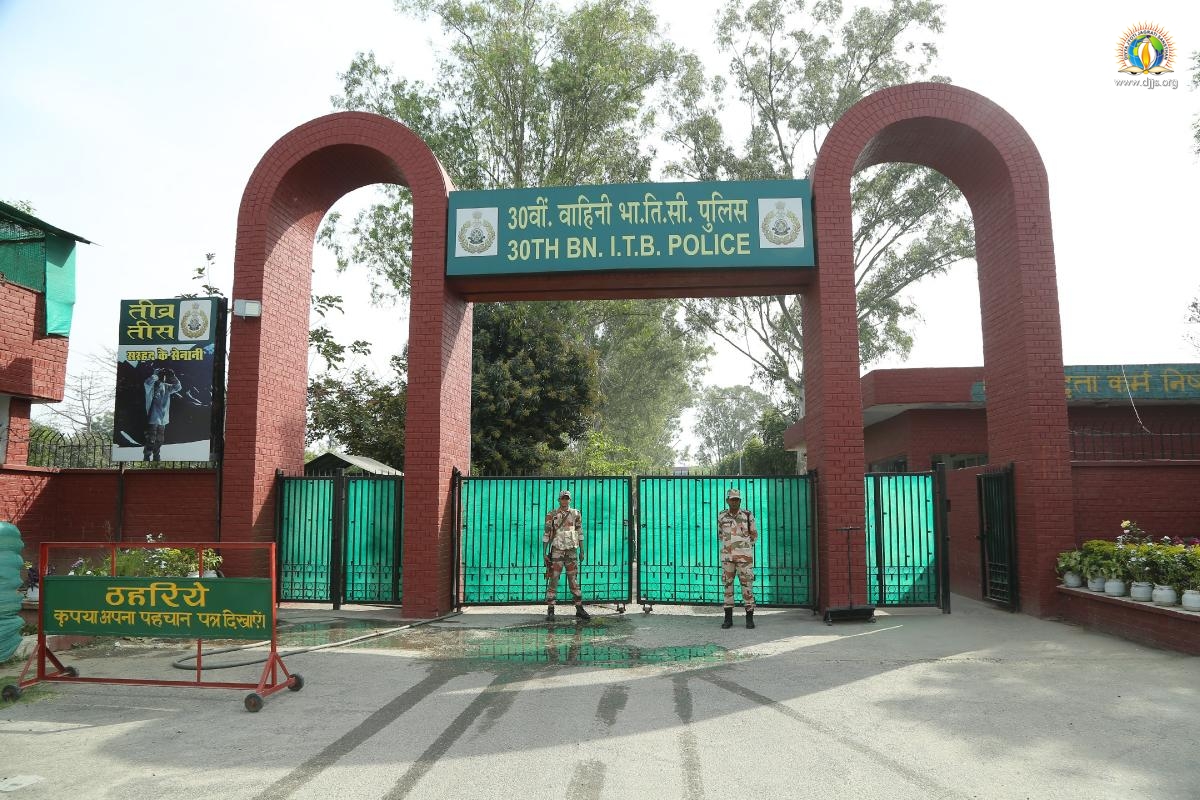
[1180,382]
[192,608]
[570,229]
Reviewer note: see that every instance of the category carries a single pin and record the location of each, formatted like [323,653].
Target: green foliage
[532,95]
[1070,561]
[797,69]
[726,418]
[362,414]
[764,453]
[149,562]
[1099,558]
[531,392]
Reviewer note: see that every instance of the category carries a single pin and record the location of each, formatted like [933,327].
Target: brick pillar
[991,159]
[18,432]
[288,194]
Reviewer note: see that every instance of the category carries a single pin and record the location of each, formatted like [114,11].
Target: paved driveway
[495,703]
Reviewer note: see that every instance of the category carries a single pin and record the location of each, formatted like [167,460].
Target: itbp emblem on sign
[630,227]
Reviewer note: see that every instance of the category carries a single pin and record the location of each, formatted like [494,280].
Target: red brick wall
[18,432]
[81,505]
[31,365]
[1169,628]
[923,433]
[990,157]
[1163,498]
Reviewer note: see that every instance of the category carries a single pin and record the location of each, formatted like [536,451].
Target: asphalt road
[496,703]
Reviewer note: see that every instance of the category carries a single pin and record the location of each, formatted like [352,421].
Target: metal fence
[1174,442]
[52,448]
[902,546]
[502,551]
[678,556]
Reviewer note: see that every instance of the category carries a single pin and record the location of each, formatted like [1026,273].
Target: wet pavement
[500,703]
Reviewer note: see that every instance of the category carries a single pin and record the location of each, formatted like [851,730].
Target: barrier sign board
[192,608]
[710,225]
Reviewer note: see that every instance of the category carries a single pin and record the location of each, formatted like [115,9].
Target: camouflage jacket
[564,528]
[737,534]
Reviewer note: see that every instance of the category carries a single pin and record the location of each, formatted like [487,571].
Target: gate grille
[902,564]
[998,536]
[339,538]
[502,550]
[679,560]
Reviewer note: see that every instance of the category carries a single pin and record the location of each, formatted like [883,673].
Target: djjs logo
[1146,50]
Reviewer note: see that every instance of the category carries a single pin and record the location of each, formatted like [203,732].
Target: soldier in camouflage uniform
[737,534]
[564,535]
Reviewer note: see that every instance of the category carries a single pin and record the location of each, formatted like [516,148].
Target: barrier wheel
[647,609]
[253,702]
[297,682]
[71,672]
[10,693]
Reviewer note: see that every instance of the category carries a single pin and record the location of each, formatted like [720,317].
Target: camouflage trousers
[745,574]
[559,559]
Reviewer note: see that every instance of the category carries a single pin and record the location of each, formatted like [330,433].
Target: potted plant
[1190,574]
[1094,562]
[1169,573]
[1070,566]
[1140,564]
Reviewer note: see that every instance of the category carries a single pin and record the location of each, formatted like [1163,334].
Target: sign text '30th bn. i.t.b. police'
[630,227]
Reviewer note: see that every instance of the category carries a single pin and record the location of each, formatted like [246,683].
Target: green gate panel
[305,539]
[374,521]
[678,554]
[902,567]
[502,551]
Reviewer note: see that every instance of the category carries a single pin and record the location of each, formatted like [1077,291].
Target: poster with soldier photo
[170,402]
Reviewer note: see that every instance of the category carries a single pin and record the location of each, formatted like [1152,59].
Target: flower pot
[1141,590]
[1191,599]
[208,573]
[1096,583]
[1072,580]
[1165,596]
[1114,587]
[32,594]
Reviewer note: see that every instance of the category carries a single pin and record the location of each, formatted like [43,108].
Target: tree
[531,390]
[530,95]
[361,413]
[648,367]
[726,420]
[89,399]
[763,453]
[797,70]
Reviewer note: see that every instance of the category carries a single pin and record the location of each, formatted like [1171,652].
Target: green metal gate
[678,558]
[998,536]
[905,540]
[501,546]
[339,538]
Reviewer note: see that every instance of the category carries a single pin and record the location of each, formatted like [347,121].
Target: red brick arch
[288,194]
[992,160]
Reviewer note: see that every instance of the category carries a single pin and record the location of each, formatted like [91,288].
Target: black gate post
[942,534]
[456,483]
[337,541]
[278,535]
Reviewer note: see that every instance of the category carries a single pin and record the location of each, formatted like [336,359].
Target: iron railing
[52,448]
[1172,441]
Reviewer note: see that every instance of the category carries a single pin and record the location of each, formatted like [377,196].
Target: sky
[136,124]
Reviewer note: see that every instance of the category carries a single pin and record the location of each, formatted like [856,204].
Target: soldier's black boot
[550,613]
[749,617]
[581,613]
[728,623]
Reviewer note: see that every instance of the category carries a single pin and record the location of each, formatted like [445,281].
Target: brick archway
[288,194]
[992,160]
